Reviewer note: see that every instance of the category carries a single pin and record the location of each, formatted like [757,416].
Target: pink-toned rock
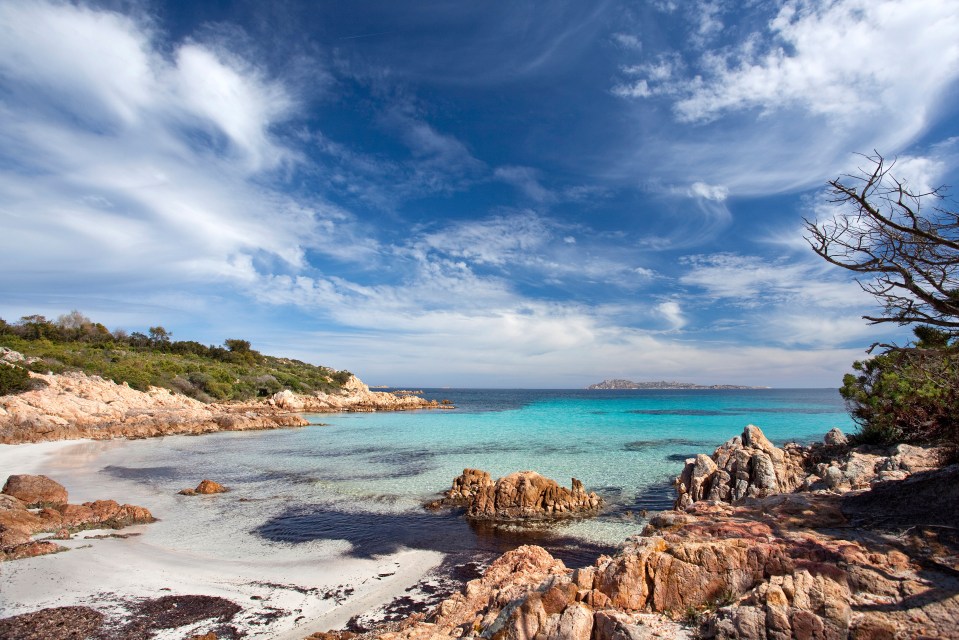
[512,576]
[467,485]
[776,567]
[18,524]
[575,623]
[527,495]
[206,487]
[75,405]
[353,396]
[30,549]
[35,491]
[464,489]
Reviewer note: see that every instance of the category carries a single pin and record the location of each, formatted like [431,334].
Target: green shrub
[908,395]
[234,371]
[14,379]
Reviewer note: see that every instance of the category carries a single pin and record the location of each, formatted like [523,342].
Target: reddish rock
[206,487]
[510,577]
[18,524]
[464,489]
[30,549]
[526,495]
[35,491]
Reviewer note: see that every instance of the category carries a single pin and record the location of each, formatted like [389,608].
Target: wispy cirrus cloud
[154,163]
[837,75]
[791,301]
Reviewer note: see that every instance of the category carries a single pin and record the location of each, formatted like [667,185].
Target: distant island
[662,384]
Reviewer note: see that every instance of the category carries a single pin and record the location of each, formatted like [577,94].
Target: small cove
[359,481]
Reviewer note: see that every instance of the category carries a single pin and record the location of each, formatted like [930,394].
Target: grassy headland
[233,371]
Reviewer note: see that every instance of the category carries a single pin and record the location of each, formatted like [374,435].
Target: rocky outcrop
[18,523]
[35,491]
[206,487]
[750,466]
[524,495]
[464,489]
[747,466]
[526,594]
[779,555]
[75,405]
[779,567]
[354,396]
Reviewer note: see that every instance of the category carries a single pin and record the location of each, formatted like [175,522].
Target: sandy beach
[285,591]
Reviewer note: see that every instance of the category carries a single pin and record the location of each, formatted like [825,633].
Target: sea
[357,482]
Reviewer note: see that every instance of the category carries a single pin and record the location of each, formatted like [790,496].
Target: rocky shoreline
[764,543]
[75,405]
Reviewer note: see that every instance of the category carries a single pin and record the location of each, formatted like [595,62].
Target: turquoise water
[362,477]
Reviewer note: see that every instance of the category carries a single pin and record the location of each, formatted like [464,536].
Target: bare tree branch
[904,246]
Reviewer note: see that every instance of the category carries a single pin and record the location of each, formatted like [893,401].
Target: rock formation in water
[524,495]
[18,523]
[206,487]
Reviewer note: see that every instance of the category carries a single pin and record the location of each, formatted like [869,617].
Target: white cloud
[495,241]
[789,302]
[638,89]
[846,60]
[673,314]
[924,173]
[627,41]
[154,166]
[234,96]
[839,75]
[708,191]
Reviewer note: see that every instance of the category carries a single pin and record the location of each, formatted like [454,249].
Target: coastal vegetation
[234,371]
[904,246]
[14,379]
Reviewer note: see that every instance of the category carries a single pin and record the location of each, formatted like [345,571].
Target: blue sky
[465,193]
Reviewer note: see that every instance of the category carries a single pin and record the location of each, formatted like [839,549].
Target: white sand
[193,549]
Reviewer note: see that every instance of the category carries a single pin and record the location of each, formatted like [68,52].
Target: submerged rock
[206,487]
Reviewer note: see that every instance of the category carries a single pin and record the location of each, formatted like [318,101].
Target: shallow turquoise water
[363,476]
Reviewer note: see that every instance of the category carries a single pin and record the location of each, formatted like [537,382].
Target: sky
[466,194]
